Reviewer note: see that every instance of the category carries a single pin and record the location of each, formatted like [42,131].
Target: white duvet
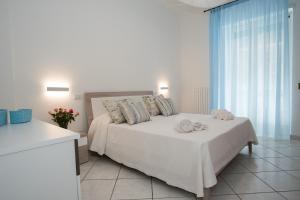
[188,161]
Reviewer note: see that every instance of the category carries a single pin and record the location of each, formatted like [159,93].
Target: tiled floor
[272,172]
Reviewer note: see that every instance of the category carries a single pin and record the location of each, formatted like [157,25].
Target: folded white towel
[199,126]
[222,114]
[187,126]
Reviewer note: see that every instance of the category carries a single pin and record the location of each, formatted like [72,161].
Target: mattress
[189,161]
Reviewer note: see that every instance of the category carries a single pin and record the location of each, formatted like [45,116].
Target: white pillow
[98,108]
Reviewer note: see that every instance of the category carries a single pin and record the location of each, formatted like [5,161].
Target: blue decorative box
[20,116]
[3,117]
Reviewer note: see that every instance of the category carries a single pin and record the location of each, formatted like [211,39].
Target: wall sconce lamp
[164,88]
[58,89]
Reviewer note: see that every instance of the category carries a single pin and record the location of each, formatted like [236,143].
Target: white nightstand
[83,149]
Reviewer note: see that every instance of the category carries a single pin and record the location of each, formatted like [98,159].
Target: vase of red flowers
[63,117]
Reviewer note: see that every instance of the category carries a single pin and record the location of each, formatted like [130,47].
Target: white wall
[194,46]
[107,45]
[296,70]
[6,75]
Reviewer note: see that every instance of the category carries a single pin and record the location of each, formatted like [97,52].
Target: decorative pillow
[151,105]
[127,111]
[114,111]
[142,114]
[134,112]
[171,103]
[164,105]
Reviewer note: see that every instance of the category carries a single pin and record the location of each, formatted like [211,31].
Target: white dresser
[38,161]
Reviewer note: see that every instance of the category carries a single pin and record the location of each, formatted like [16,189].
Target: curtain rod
[220,6]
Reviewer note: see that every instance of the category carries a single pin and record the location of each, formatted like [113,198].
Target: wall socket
[77,96]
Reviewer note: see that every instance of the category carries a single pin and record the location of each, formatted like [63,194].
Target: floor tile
[294,173]
[224,197]
[245,155]
[131,173]
[246,183]
[162,190]
[104,168]
[221,188]
[280,181]
[84,168]
[234,167]
[295,158]
[97,189]
[94,156]
[258,165]
[261,196]
[180,198]
[266,153]
[289,151]
[294,195]
[285,163]
[262,139]
[132,189]
[281,144]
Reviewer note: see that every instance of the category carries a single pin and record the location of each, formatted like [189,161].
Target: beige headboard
[90,95]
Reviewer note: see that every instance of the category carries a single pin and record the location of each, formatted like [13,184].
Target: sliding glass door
[250,63]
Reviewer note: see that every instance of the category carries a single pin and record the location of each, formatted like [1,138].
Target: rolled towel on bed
[187,126]
[222,114]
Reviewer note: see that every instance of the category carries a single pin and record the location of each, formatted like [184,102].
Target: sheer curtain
[250,71]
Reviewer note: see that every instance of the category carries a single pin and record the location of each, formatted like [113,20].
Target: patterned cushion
[127,111]
[165,106]
[171,103]
[141,113]
[114,111]
[151,105]
[134,112]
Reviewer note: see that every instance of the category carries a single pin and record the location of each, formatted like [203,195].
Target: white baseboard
[295,137]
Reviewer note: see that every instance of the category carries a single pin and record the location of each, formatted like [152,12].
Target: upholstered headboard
[94,95]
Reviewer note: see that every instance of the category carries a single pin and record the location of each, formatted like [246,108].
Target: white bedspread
[188,161]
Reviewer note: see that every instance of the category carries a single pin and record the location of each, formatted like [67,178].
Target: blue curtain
[249,57]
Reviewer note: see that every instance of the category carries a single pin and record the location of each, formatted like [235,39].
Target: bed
[188,161]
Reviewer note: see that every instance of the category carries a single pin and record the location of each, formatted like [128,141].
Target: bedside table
[83,149]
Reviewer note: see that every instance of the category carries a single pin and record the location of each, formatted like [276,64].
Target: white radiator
[201,100]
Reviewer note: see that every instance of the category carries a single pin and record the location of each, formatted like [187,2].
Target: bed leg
[206,194]
[250,147]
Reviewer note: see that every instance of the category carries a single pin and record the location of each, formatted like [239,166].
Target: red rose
[71,110]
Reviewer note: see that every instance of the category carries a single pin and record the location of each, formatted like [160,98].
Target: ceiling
[214,3]
[204,3]
[198,6]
